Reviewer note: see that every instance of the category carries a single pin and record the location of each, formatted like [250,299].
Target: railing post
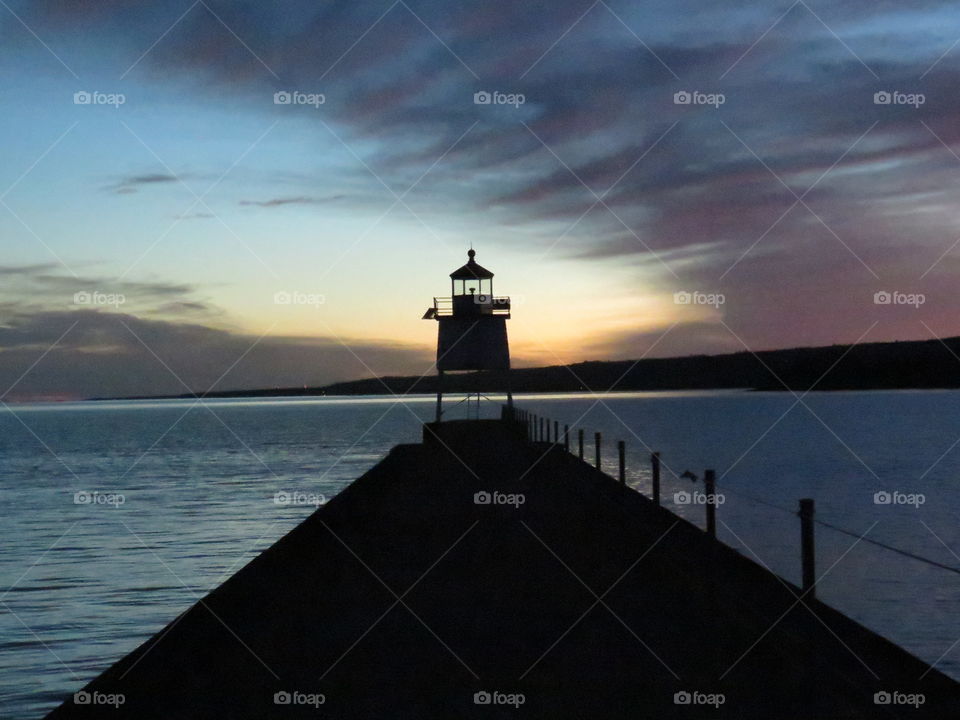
[621,453]
[580,442]
[655,463]
[566,438]
[806,546]
[540,436]
[556,432]
[710,486]
[596,443]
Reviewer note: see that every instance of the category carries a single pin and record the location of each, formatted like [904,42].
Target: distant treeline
[873,366]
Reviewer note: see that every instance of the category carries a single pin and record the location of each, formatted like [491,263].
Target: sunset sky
[186,188]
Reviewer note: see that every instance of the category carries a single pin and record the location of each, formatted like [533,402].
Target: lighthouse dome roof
[472,270]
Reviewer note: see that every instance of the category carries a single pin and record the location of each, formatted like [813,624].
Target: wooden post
[596,443]
[566,438]
[621,452]
[556,432]
[655,463]
[710,483]
[580,442]
[806,546]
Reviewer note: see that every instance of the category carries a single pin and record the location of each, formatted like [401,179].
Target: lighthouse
[472,325]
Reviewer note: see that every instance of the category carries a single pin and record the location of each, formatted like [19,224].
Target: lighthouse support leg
[439,394]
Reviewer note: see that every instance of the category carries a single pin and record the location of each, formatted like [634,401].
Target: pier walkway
[482,575]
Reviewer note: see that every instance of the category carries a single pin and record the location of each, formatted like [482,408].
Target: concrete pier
[480,566]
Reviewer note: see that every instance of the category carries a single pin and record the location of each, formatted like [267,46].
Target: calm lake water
[85,578]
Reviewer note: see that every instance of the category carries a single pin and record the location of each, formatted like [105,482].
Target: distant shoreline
[909,365]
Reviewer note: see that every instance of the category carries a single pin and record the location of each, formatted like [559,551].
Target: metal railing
[480,304]
[542,430]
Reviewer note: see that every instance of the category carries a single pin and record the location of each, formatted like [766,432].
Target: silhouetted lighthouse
[472,325]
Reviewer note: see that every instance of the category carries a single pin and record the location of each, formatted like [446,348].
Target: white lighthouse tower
[472,331]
